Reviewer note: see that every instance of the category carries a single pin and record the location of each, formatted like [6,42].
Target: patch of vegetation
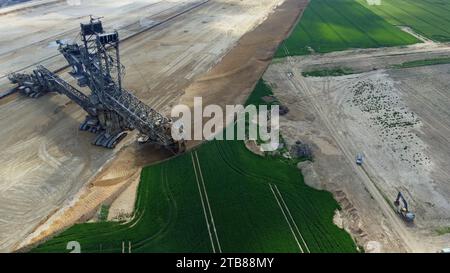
[425,62]
[262,89]
[103,213]
[333,25]
[429,18]
[443,230]
[328,72]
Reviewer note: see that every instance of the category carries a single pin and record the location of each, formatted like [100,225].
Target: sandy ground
[399,120]
[46,161]
[223,84]
[122,208]
[36,29]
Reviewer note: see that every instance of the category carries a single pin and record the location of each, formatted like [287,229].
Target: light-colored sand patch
[123,207]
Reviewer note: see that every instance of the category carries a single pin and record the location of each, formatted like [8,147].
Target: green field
[170,217]
[430,18]
[332,25]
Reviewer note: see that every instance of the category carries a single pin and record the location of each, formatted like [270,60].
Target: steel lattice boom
[111,109]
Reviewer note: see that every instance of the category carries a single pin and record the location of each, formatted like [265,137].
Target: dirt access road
[397,117]
[46,160]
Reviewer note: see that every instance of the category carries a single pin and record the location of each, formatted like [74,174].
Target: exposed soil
[52,160]
[173,58]
[398,118]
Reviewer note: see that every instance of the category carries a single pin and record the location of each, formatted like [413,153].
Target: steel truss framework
[111,109]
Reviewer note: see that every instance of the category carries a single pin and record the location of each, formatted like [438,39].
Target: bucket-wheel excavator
[111,110]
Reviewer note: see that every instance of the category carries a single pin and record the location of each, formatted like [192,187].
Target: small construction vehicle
[402,208]
[359,159]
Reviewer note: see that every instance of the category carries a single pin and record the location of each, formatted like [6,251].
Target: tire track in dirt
[393,218]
